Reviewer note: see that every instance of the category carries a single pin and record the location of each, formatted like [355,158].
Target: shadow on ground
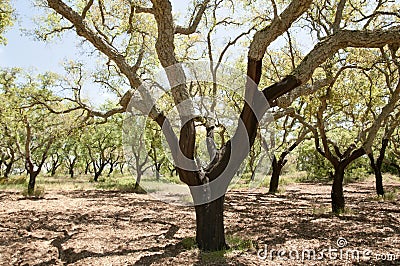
[114,228]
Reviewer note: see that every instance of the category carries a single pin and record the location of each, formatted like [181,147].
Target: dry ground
[96,227]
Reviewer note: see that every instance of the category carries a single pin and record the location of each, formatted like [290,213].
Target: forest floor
[100,227]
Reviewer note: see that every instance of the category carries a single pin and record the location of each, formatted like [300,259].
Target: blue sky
[23,51]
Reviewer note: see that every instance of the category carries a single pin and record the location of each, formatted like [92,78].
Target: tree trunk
[378,174]
[111,169]
[121,168]
[210,235]
[32,182]
[379,181]
[71,168]
[87,168]
[276,172]
[71,172]
[377,166]
[253,174]
[99,171]
[8,169]
[158,168]
[138,178]
[53,170]
[337,196]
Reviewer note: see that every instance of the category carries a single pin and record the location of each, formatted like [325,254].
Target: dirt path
[114,228]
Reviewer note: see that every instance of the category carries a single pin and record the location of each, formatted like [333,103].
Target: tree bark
[337,196]
[138,178]
[8,169]
[158,168]
[277,166]
[32,182]
[87,168]
[378,175]
[210,234]
[377,166]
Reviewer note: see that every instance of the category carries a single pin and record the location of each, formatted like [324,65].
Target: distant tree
[344,129]
[102,141]
[391,123]
[136,152]
[290,135]
[29,125]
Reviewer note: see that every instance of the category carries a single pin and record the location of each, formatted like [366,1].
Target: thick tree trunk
[210,234]
[276,172]
[157,175]
[32,182]
[253,174]
[337,196]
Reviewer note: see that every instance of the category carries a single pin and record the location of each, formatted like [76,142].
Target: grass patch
[214,257]
[345,211]
[238,243]
[189,243]
[390,196]
[321,209]
[235,243]
[14,182]
[124,184]
[38,193]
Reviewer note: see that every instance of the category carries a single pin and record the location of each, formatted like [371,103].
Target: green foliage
[309,160]
[355,174]
[6,18]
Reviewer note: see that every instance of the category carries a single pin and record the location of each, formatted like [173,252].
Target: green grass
[235,243]
[124,184]
[189,243]
[38,193]
[238,243]
[390,196]
[321,209]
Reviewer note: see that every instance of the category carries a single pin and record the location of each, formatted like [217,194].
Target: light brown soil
[114,228]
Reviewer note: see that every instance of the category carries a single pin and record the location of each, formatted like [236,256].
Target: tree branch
[195,20]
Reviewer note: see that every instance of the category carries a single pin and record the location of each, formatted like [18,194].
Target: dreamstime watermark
[340,252]
[213,98]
